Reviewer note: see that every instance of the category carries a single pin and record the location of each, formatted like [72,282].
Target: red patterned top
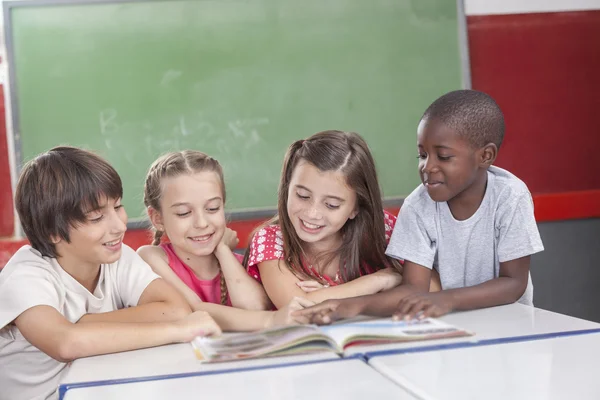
[267,244]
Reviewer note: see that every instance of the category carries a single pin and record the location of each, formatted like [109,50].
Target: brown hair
[363,236]
[174,164]
[56,190]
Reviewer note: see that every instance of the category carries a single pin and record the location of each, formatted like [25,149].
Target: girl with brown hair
[329,237]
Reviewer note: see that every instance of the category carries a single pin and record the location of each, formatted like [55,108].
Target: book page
[387,330]
[268,342]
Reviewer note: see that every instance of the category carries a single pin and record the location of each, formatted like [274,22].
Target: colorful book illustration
[300,339]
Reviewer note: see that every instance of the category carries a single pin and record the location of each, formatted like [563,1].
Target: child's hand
[285,315]
[423,305]
[229,239]
[331,310]
[310,286]
[389,278]
[198,323]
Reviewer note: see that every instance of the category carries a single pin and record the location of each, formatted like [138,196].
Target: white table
[509,323]
[560,368]
[350,379]
[157,362]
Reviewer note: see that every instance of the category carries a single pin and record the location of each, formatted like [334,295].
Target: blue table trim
[62,389]
[484,342]
[365,357]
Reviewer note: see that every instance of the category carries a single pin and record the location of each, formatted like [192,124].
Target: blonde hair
[174,164]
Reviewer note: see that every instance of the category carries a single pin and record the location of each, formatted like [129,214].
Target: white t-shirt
[29,280]
[469,252]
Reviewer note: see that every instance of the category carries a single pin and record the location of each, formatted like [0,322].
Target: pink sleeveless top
[209,291]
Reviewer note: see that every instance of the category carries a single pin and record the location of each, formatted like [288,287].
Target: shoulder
[266,244]
[266,234]
[389,221]
[151,253]
[419,199]
[419,203]
[506,188]
[269,229]
[155,257]
[506,181]
[28,262]
[28,280]
[130,263]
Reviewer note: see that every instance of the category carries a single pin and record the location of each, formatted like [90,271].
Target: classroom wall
[539,59]
[8,221]
[542,68]
[566,274]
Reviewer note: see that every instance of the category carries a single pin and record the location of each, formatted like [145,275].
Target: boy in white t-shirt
[78,291]
[469,220]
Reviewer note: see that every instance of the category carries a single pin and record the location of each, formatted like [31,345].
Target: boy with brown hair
[77,290]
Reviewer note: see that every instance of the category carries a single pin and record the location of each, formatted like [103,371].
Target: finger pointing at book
[331,310]
[285,316]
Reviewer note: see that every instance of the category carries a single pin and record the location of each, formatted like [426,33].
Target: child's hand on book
[331,310]
[285,315]
[423,305]
[198,323]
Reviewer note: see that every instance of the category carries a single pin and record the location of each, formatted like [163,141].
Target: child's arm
[518,238]
[229,318]
[507,288]
[244,291]
[45,328]
[282,285]
[158,302]
[416,279]
[237,320]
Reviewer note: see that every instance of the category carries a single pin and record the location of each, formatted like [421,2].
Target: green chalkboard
[238,79]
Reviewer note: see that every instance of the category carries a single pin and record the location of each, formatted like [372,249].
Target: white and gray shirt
[469,252]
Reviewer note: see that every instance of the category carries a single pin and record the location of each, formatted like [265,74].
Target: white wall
[486,7]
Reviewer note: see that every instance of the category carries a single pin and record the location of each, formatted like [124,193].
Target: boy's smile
[451,169]
[98,240]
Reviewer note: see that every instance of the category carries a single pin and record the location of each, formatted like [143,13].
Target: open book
[311,338]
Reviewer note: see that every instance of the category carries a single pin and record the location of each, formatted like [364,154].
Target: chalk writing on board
[108,124]
[170,76]
[244,128]
[168,133]
[182,127]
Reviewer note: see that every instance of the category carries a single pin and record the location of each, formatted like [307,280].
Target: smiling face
[191,213]
[319,204]
[448,164]
[98,240]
